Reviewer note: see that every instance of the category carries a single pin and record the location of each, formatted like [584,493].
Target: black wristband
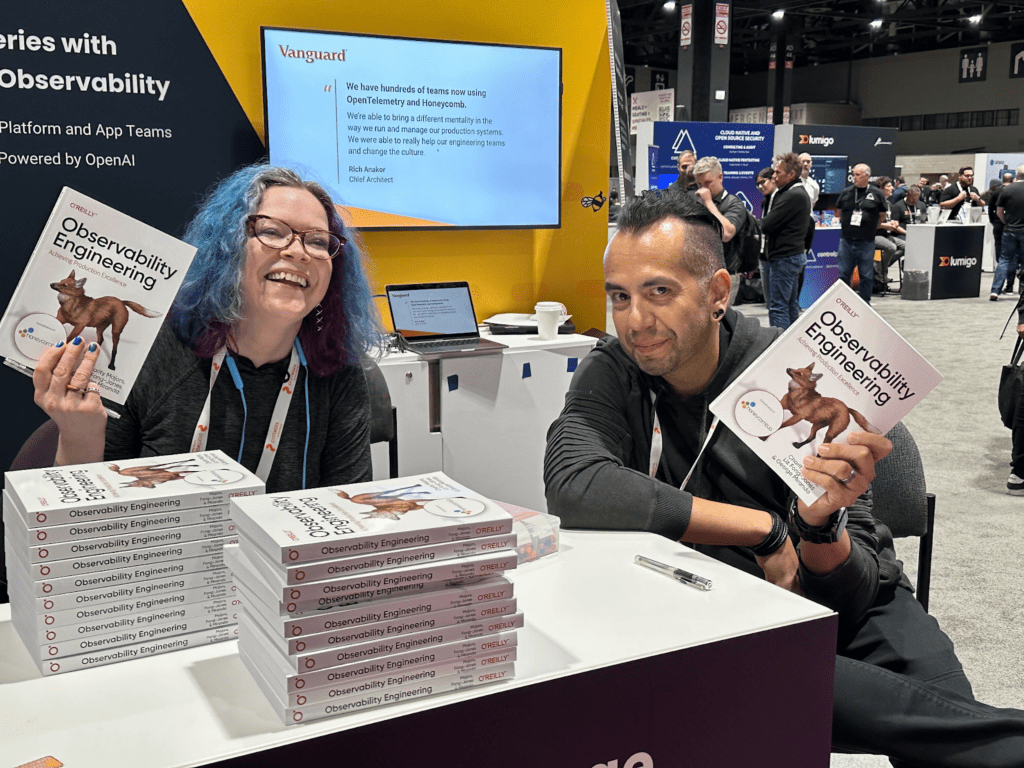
[775,538]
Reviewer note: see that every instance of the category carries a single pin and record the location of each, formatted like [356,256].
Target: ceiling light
[976,19]
[875,24]
[778,15]
[669,6]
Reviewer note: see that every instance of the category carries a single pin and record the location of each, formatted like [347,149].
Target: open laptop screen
[435,310]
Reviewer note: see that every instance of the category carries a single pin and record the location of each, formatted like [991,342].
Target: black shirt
[954,190]
[1011,200]
[735,212]
[785,225]
[904,215]
[870,201]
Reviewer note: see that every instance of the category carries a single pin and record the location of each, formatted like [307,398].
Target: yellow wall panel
[508,269]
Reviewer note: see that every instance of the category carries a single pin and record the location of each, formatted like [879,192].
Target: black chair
[903,503]
[383,415]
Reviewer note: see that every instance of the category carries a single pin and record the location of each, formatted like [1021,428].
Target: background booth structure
[193,112]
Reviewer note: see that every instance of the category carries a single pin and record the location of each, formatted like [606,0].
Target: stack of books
[370,594]
[108,562]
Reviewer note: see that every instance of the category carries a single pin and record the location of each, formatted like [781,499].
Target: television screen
[830,171]
[418,134]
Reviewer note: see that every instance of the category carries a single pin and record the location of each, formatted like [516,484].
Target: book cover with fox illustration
[334,522]
[99,274]
[840,368]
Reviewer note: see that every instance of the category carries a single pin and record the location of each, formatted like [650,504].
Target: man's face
[967,177]
[912,196]
[887,189]
[782,177]
[711,181]
[806,162]
[861,175]
[686,161]
[923,182]
[662,315]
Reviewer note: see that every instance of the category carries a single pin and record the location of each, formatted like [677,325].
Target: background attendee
[277,287]
[963,191]
[899,189]
[785,229]
[860,206]
[684,182]
[613,205]
[888,237]
[909,210]
[938,189]
[899,688]
[766,185]
[1010,208]
[727,208]
[926,190]
[990,198]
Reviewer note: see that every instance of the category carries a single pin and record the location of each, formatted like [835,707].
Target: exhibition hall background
[200,62]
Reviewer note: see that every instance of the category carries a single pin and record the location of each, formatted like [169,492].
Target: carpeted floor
[979,529]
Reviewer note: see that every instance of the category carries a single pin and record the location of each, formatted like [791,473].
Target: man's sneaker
[993,297]
[1015,486]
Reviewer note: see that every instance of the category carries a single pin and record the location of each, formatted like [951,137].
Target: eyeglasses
[275,234]
[761,182]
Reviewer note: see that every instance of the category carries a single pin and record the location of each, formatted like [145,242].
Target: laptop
[437,320]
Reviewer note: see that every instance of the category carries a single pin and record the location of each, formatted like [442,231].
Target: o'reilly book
[840,368]
[99,274]
[86,493]
[334,522]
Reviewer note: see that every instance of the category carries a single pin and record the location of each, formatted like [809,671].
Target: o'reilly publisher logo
[758,413]
[953,261]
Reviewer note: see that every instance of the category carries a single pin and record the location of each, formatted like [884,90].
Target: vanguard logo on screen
[825,141]
[311,56]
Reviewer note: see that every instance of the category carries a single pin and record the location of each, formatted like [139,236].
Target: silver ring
[91,389]
[850,479]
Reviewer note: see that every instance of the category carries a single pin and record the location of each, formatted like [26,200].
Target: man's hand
[704,194]
[780,567]
[975,198]
[844,471]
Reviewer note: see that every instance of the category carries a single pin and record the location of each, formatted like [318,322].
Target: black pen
[676,573]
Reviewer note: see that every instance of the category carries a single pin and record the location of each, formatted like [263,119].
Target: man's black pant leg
[901,691]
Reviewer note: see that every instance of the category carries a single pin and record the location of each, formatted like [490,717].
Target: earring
[717,314]
[319,318]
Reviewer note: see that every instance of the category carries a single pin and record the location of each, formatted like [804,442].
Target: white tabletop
[588,606]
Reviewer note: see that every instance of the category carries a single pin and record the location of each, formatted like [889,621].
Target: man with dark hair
[785,230]
[626,454]
[991,199]
[685,162]
[860,206]
[1010,209]
[926,190]
[889,237]
[963,191]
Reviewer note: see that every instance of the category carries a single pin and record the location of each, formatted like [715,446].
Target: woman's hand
[63,389]
[844,471]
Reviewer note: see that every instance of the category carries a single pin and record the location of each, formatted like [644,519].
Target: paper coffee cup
[548,314]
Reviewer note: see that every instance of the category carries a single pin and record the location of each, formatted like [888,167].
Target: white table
[615,661]
[487,423]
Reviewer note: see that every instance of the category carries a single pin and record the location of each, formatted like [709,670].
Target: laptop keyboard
[466,344]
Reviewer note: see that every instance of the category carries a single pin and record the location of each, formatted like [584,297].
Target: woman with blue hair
[278,296]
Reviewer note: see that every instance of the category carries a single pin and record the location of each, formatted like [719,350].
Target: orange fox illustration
[81,311]
[153,475]
[805,404]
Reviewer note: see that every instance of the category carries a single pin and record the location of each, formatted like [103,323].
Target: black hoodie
[598,451]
